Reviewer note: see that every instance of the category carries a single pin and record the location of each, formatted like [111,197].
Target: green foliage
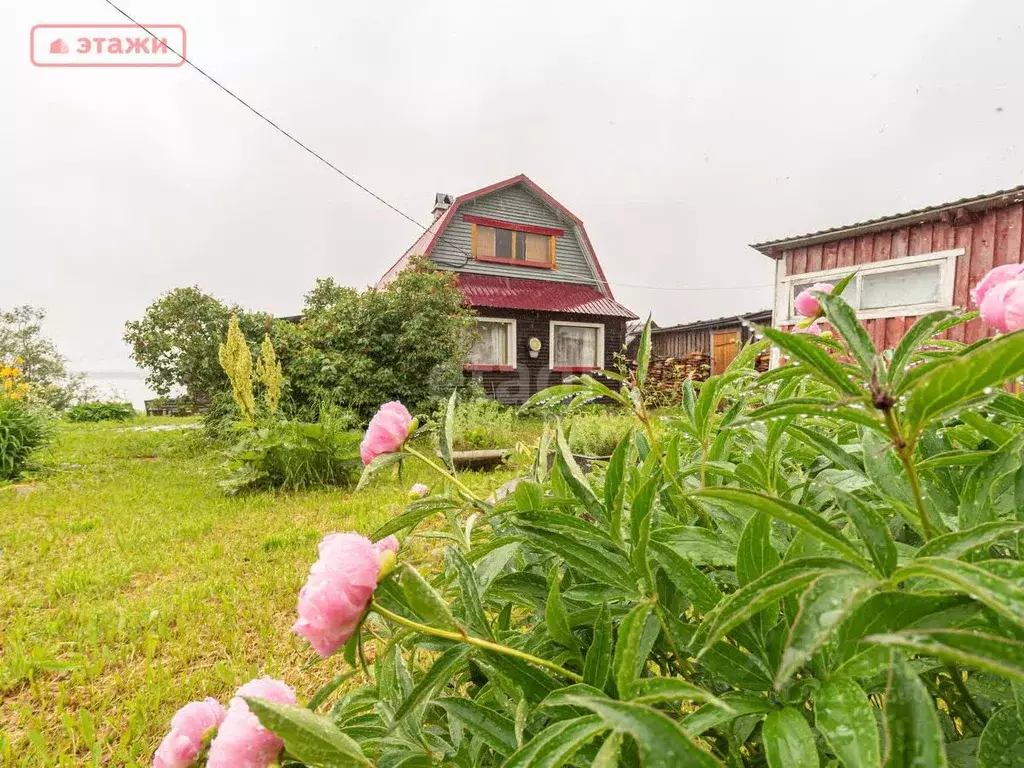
[23,430]
[100,412]
[404,342]
[597,432]
[782,570]
[42,365]
[178,337]
[482,423]
[293,455]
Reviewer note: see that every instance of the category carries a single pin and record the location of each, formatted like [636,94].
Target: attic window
[524,245]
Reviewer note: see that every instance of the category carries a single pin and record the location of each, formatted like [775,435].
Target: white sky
[679,132]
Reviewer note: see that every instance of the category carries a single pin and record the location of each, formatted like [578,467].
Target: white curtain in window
[575,346]
[900,287]
[491,346]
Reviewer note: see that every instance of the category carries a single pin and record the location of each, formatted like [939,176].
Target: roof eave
[774,248]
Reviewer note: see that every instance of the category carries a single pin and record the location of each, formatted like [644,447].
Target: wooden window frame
[514,228]
[575,368]
[510,345]
[785,314]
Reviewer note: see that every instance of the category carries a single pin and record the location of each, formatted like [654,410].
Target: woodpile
[667,374]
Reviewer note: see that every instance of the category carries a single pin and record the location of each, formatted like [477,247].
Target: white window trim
[510,340]
[785,313]
[551,341]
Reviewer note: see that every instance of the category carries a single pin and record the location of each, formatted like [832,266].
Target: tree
[43,367]
[406,341]
[178,338]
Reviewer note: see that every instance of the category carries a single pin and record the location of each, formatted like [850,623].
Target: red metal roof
[539,295]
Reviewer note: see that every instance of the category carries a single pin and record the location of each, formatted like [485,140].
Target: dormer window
[507,242]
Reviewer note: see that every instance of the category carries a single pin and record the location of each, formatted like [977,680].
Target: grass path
[131,585]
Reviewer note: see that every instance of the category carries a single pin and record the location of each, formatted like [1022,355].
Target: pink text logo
[107,45]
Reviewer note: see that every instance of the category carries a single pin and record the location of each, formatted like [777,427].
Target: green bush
[100,412]
[404,342]
[481,424]
[23,430]
[818,566]
[597,433]
[292,455]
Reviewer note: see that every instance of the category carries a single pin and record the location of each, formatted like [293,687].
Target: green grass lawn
[132,585]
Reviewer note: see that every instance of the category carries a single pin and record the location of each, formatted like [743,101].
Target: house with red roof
[527,267]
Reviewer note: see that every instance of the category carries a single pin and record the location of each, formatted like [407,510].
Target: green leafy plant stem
[463,637]
[442,471]
[905,450]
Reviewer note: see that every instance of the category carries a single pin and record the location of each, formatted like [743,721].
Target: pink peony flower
[806,304]
[390,544]
[189,726]
[338,590]
[996,277]
[387,431]
[241,741]
[419,490]
[1003,306]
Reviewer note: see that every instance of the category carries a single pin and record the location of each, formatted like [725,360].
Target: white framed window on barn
[494,344]
[576,346]
[911,285]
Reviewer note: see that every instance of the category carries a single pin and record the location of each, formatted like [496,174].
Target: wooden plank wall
[991,239]
[681,343]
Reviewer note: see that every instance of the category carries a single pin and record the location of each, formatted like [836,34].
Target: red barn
[907,264]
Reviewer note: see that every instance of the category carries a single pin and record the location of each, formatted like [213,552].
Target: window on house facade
[521,244]
[910,285]
[494,344]
[576,346]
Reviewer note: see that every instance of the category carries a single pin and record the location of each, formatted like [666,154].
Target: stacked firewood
[762,361]
[666,374]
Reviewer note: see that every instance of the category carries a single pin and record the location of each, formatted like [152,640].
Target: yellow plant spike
[269,374]
[236,361]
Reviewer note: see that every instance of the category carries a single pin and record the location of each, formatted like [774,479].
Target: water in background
[123,386]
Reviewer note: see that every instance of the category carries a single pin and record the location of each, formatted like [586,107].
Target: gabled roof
[761,317]
[425,243]
[1003,197]
[541,295]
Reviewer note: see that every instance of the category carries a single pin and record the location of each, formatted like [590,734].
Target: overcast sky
[678,131]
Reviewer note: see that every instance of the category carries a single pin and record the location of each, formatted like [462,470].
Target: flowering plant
[820,565]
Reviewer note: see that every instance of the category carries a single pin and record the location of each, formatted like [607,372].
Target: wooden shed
[907,264]
[720,339]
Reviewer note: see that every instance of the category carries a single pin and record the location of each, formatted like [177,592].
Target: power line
[362,186]
[274,125]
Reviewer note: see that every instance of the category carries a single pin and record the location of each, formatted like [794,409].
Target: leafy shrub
[356,350]
[23,429]
[100,412]
[820,565]
[596,433]
[481,424]
[293,455]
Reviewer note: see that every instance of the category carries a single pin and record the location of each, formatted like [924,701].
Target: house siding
[992,238]
[514,204]
[534,374]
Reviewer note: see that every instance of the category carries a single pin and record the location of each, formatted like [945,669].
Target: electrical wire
[367,190]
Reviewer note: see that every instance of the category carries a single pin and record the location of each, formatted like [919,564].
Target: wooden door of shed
[725,345]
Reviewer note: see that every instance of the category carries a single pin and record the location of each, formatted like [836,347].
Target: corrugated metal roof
[989,200]
[537,295]
[760,317]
